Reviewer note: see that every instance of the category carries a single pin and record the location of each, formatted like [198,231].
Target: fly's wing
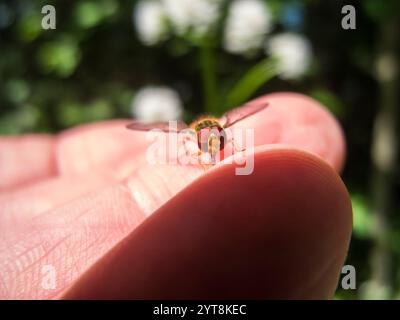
[238,114]
[162,125]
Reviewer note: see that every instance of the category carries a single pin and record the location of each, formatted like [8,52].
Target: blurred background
[167,59]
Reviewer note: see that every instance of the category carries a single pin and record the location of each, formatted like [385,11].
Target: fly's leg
[236,147]
[191,150]
[195,155]
[187,140]
[230,139]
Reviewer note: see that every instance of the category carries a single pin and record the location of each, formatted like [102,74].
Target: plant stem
[207,64]
[250,82]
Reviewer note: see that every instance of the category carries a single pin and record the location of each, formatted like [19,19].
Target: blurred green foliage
[90,67]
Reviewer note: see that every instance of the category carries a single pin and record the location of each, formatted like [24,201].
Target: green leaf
[21,120]
[29,27]
[329,100]
[276,7]
[98,110]
[362,219]
[61,57]
[252,80]
[17,90]
[380,10]
[88,14]
[109,7]
[71,113]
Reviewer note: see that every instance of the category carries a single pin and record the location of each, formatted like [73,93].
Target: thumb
[282,232]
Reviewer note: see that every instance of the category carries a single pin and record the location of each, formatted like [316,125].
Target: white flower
[156,104]
[150,20]
[293,52]
[247,24]
[195,15]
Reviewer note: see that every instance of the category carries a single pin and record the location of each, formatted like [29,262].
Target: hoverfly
[210,132]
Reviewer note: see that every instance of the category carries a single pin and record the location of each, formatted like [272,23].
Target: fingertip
[299,121]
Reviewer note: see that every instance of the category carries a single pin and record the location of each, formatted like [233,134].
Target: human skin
[87,203]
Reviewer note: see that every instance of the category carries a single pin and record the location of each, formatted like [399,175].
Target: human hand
[110,225]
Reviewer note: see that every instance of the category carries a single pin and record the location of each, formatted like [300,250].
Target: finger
[282,232]
[291,119]
[30,158]
[70,238]
[95,155]
[64,241]
[19,206]
[300,122]
[98,147]
[25,159]
[108,152]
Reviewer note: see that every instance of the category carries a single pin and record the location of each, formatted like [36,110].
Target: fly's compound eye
[222,139]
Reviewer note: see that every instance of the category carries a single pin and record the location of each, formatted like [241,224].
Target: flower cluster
[246,31]
[150,21]
[156,104]
[153,18]
[195,16]
[247,24]
[293,53]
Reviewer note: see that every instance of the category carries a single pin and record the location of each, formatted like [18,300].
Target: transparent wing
[241,113]
[162,125]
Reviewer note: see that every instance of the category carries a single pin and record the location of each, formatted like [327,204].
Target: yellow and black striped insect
[210,131]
